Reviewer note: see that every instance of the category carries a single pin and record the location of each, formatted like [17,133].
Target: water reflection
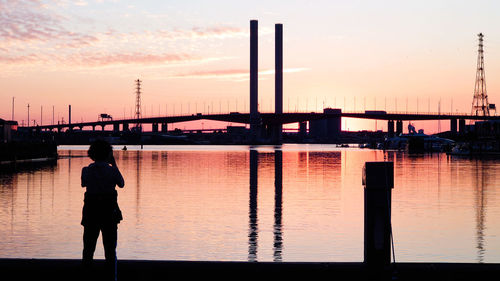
[278,206]
[230,205]
[138,184]
[253,234]
[252,214]
[480,206]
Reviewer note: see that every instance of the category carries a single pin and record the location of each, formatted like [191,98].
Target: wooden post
[378,179]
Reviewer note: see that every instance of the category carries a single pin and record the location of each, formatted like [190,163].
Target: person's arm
[84,176]
[118,176]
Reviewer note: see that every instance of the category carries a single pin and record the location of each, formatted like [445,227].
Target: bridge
[268,119]
[324,124]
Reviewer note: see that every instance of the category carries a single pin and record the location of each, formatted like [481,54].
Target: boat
[461,149]
[480,149]
[418,142]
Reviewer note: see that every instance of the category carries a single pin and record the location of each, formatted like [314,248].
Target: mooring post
[378,179]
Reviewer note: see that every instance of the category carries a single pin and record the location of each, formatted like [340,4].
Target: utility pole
[41,115]
[13,108]
[439,113]
[28,115]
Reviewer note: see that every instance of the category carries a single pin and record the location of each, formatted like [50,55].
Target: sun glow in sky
[193,56]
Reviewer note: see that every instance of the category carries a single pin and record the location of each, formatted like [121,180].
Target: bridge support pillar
[93,127]
[390,128]
[164,127]
[399,127]
[103,126]
[276,133]
[461,126]
[155,127]
[125,127]
[453,126]
[266,131]
[302,129]
[116,128]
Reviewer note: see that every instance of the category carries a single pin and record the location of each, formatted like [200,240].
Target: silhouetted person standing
[100,210]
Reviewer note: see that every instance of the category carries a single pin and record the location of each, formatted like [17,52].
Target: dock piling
[378,179]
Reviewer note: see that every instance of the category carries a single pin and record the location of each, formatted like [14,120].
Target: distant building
[328,128]
[7,128]
[490,128]
[236,130]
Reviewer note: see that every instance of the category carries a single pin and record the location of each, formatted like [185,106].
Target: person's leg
[109,237]
[90,235]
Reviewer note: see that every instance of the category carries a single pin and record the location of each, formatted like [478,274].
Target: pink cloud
[132,58]
[24,59]
[29,21]
[96,60]
[33,27]
[231,73]
[213,73]
[217,32]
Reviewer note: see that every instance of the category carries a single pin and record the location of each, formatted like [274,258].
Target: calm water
[293,203]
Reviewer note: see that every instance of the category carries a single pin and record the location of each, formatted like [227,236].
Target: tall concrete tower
[254,73]
[278,79]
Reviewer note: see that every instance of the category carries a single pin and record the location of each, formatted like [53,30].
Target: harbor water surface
[257,203]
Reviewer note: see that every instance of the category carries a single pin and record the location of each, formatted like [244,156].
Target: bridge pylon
[138,114]
[480,106]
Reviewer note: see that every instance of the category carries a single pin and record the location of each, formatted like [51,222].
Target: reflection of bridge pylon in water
[480,106]
[480,206]
[138,114]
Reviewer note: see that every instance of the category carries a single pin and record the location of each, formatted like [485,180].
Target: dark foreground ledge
[52,269]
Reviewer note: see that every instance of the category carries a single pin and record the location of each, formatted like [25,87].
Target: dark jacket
[101,209]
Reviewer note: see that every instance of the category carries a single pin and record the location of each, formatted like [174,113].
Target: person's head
[99,150]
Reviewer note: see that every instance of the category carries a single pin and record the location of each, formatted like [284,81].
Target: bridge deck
[272,118]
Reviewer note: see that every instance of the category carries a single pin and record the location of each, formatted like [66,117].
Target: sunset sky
[194,55]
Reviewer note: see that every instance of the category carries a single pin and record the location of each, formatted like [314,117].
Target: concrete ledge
[58,269]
